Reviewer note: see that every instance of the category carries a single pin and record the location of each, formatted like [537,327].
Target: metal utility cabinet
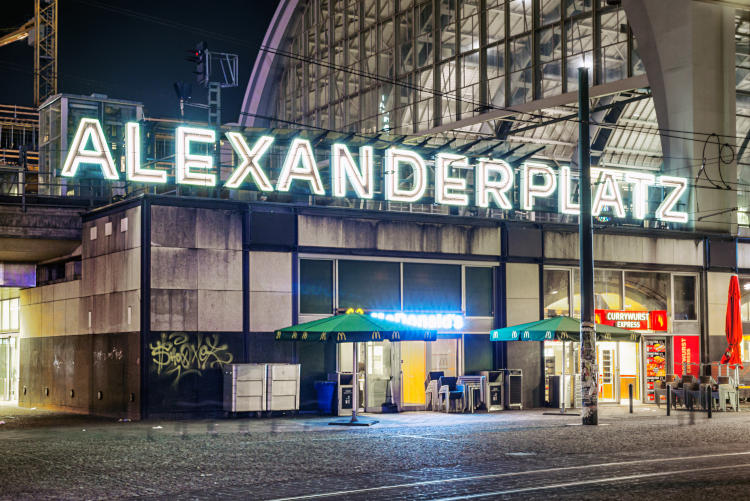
[282,388]
[245,387]
[261,387]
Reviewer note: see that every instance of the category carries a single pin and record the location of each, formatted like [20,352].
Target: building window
[645,291]
[9,309]
[745,298]
[369,285]
[432,287]
[684,298]
[479,291]
[315,286]
[556,293]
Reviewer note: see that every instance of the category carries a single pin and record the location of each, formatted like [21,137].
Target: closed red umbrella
[733,328]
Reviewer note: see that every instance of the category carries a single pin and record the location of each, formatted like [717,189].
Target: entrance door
[5,368]
[377,375]
[413,373]
[607,355]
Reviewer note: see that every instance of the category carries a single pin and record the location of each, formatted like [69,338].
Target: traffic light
[199,56]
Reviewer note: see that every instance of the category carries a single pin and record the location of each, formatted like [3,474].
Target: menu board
[656,363]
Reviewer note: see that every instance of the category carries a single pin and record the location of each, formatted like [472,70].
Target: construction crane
[41,31]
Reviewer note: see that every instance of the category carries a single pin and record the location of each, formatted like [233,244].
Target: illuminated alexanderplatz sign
[493,179]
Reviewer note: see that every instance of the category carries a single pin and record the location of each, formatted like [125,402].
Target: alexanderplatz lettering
[493,179]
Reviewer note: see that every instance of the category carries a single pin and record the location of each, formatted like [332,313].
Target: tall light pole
[589,369]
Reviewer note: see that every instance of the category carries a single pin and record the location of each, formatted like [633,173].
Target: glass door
[378,374]
[413,373]
[5,369]
[608,380]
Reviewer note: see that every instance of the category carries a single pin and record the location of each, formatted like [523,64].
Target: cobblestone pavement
[514,454]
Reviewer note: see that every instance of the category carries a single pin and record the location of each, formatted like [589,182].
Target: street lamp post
[589,369]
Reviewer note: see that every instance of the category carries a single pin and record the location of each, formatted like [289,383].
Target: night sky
[131,49]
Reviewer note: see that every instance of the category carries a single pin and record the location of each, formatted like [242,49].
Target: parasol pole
[562,409]
[355,390]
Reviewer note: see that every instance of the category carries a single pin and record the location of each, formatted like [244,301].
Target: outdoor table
[471,385]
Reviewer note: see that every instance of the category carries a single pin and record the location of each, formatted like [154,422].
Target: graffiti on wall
[176,354]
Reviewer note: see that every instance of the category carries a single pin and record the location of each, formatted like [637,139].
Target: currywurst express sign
[405,176]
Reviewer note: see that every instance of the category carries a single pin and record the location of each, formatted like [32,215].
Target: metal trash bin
[245,387]
[514,388]
[344,392]
[494,390]
[553,391]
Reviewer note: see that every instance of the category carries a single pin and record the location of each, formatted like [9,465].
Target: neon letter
[566,206]
[343,168]
[640,182]
[185,161]
[445,183]
[665,212]
[608,193]
[495,189]
[300,150]
[249,161]
[133,170]
[393,159]
[529,190]
[89,128]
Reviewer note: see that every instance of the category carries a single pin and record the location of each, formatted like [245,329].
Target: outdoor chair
[432,389]
[679,391]
[727,391]
[451,391]
[660,390]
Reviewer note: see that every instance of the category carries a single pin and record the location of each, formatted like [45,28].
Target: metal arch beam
[636,82]
[574,116]
[257,92]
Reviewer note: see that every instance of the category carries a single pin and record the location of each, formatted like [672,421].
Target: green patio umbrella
[560,328]
[354,327]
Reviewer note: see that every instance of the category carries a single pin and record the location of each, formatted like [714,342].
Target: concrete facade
[223,276]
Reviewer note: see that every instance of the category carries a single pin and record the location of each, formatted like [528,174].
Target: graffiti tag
[174,354]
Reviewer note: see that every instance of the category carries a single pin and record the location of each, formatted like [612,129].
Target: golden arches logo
[278,334]
[395,335]
[304,335]
[294,335]
[323,336]
[341,336]
[375,335]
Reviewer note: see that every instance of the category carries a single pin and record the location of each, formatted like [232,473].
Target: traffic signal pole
[589,369]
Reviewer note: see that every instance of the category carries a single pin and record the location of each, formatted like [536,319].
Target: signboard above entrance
[405,174]
[633,320]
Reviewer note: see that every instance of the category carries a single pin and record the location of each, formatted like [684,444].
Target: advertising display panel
[685,350]
[655,362]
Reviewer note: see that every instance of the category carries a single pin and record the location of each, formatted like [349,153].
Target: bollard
[669,399]
[708,400]
[630,396]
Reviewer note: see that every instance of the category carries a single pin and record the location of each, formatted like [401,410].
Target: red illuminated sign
[631,320]
[659,320]
[655,320]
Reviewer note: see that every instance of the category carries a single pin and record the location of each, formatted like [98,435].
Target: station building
[168,283]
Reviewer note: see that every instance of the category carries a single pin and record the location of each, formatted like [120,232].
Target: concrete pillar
[688,51]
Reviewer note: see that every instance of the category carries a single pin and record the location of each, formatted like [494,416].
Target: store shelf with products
[655,360]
